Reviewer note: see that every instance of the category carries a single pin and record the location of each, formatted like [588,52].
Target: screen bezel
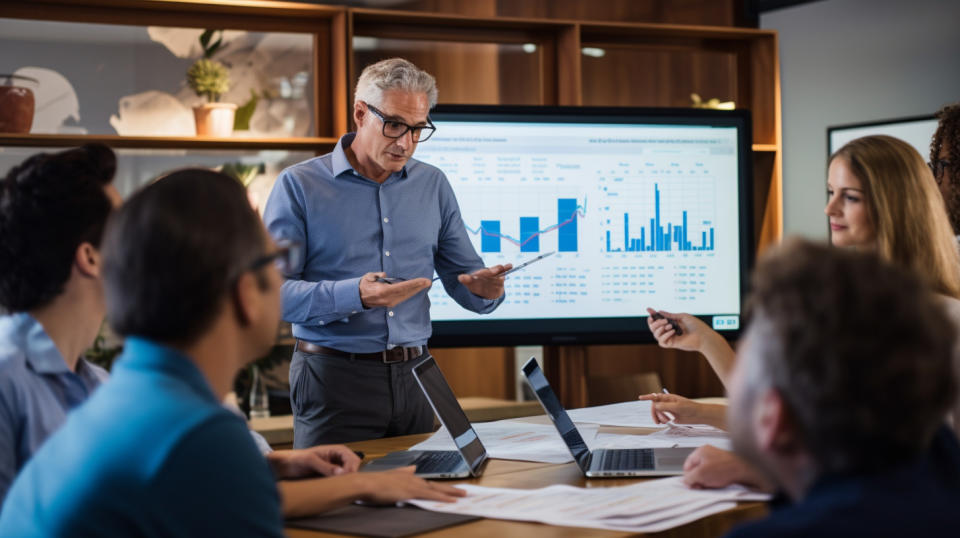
[610,330]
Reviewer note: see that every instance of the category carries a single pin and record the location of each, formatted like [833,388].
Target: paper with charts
[650,506]
[510,440]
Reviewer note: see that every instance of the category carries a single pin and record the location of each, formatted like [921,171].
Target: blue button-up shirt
[151,453]
[408,226]
[37,389]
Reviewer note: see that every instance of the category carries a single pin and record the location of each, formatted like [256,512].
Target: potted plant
[210,80]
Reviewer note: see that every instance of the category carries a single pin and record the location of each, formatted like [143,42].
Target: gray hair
[394,74]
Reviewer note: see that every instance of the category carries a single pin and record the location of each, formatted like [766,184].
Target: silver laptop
[469,458]
[603,462]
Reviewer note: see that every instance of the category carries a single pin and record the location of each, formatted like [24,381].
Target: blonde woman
[881,196]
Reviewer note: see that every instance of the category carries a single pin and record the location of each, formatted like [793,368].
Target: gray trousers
[339,400]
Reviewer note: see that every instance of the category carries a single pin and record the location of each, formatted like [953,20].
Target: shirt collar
[41,353]
[340,164]
[142,355]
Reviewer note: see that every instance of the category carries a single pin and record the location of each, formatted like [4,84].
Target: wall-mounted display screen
[641,207]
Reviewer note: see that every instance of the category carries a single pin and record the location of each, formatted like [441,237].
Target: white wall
[849,61]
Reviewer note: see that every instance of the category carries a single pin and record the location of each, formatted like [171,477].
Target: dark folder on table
[387,522]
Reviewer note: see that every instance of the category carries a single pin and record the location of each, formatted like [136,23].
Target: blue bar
[656,215]
[704,240]
[626,231]
[683,238]
[567,234]
[490,236]
[529,234]
[608,240]
[653,237]
[711,238]
[643,240]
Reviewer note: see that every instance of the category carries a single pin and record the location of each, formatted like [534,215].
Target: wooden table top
[530,475]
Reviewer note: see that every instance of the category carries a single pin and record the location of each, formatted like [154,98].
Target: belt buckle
[385,354]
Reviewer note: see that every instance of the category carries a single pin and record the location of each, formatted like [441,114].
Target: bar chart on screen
[672,216]
[631,225]
[493,235]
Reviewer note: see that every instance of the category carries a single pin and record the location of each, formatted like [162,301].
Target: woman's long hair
[906,209]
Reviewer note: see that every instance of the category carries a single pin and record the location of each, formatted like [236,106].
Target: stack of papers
[509,440]
[652,506]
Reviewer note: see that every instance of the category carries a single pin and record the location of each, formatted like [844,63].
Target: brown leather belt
[390,356]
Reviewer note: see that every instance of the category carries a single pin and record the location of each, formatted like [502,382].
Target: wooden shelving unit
[475,59]
[320,145]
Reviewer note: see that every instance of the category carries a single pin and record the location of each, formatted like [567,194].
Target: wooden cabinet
[495,52]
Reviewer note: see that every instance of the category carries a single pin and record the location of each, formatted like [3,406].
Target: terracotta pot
[214,119]
[16,103]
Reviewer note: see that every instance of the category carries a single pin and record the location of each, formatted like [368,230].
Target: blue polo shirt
[409,226]
[151,453]
[37,390]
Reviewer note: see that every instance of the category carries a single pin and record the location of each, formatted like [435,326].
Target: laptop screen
[451,415]
[551,404]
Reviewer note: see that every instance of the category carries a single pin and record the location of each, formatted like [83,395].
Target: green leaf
[213,48]
[241,121]
[205,37]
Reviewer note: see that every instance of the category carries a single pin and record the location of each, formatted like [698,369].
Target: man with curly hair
[944,153]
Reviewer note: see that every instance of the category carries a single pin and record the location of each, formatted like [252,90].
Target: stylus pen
[395,279]
[528,262]
[672,418]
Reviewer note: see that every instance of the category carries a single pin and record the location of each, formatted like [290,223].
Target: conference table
[530,475]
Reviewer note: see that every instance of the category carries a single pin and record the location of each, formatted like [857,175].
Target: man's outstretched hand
[487,282]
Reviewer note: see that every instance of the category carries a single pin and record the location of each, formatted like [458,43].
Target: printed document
[649,506]
[509,440]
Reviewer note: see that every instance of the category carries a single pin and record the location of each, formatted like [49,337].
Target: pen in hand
[673,419]
[395,279]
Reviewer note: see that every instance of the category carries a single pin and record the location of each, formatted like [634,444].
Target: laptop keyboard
[438,461]
[626,459]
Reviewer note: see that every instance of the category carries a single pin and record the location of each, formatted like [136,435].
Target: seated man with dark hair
[839,395]
[53,208]
[190,281]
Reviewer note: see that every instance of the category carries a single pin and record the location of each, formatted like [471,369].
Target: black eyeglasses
[287,257]
[937,167]
[395,129]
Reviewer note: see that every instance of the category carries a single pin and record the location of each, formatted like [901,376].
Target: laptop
[470,457]
[604,462]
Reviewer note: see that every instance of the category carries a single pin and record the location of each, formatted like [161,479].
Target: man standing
[376,225]
[839,396]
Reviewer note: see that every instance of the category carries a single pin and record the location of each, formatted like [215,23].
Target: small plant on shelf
[210,79]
